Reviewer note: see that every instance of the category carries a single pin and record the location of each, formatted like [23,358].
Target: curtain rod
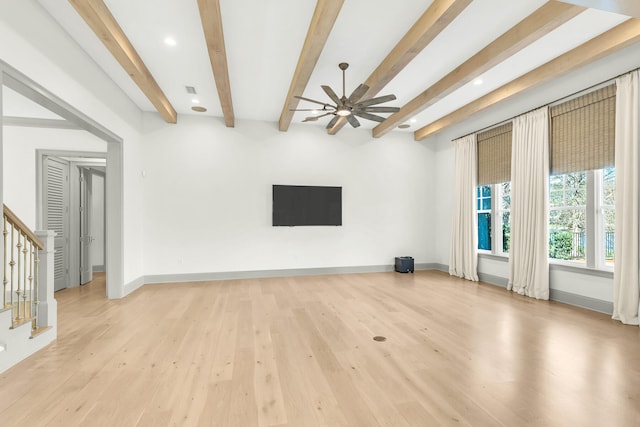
[549,103]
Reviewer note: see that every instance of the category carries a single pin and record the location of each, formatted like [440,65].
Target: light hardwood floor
[299,352]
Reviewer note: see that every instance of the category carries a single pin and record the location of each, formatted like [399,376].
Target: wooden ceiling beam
[544,20]
[432,22]
[212,26]
[324,17]
[619,37]
[96,14]
[622,7]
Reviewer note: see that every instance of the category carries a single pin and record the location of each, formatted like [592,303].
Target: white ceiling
[264,38]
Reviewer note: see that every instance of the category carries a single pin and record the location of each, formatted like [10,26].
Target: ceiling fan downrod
[343,66]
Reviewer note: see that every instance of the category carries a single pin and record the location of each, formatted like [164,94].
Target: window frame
[594,226]
[594,220]
[496,212]
[479,202]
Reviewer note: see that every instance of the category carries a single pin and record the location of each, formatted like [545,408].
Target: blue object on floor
[404,264]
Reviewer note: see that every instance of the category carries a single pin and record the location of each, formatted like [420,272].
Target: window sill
[580,269]
[557,266]
[489,255]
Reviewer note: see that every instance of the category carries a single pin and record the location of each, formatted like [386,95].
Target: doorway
[71,186]
[72,118]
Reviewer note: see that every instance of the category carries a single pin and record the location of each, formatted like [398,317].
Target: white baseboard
[133,285]
[555,295]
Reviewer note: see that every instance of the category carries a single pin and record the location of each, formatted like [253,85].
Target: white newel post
[47,306]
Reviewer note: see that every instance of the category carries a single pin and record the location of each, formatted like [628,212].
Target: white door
[56,216]
[86,270]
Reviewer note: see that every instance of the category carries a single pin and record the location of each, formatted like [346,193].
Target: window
[567,216]
[484,217]
[608,216]
[582,181]
[505,215]
[494,216]
[582,217]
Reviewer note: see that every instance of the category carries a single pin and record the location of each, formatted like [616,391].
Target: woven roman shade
[494,155]
[583,132]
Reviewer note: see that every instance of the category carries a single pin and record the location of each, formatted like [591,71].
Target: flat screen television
[295,205]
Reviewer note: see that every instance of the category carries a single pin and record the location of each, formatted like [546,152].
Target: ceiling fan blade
[368,116]
[315,118]
[353,121]
[333,121]
[313,100]
[311,109]
[358,93]
[381,109]
[372,101]
[331,94]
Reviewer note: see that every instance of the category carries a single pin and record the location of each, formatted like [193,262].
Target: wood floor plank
[298,351]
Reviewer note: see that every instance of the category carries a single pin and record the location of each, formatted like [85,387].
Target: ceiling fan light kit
[351,106]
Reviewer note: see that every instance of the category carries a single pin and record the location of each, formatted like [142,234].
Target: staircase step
[5,317]
[17,323]
[38,331]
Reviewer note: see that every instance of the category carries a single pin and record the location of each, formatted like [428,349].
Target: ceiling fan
[351,106]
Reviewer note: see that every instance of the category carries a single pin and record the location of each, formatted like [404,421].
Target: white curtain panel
[626,295]
[463,259]
[528,262]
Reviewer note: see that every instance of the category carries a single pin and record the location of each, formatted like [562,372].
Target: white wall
[35,45]
[19,165]
[97,220]
[208,197]
[584,284]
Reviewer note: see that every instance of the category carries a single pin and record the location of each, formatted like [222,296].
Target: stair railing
[20,281]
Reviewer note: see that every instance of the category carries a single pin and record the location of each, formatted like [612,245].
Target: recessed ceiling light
[477,82]
[315,112]
[195,101]
[199,109]
[404,126]
[170,41]
[412,120]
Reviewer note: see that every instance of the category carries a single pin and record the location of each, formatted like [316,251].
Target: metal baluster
[19,291]
[24,276]
[12,263]
[4,279]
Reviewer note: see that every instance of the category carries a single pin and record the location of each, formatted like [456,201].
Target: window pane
[575,180]
[556,198]
[506,232]
[486,204]
[577,197]
[506,196]
[484,231]
[556,182]
[609,213]
[609,238]
[567,237]
[609,186]
[486,191]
